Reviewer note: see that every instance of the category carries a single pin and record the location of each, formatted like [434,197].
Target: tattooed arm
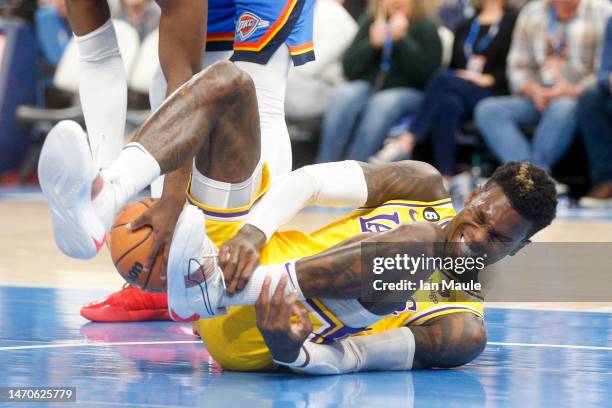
[340,273]
[405,180]
[447,341]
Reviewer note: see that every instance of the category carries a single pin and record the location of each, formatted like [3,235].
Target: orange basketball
[130,250]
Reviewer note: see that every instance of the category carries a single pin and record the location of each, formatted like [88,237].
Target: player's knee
[232,82]
[471,345]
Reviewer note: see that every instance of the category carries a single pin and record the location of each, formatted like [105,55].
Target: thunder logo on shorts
[256,29]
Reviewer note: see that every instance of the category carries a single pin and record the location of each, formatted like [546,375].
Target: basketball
[130,250]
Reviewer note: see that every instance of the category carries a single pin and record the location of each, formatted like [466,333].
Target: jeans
[595,121]
[499,119]
[353,107]
[448,101]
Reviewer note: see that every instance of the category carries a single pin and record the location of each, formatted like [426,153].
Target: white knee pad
[222,195]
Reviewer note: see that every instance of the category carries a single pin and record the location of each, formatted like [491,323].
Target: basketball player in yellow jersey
[213,120]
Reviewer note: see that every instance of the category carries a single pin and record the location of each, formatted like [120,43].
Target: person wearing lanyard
[553,58]
[396,50]
[477,71]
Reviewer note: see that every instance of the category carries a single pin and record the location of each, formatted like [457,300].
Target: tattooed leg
[212,117]
[449,341]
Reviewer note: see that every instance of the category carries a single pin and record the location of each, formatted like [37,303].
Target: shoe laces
[200,270]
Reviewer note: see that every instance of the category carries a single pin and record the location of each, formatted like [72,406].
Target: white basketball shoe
[66,172]
[195,280]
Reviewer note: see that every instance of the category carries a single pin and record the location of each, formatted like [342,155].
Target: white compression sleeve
[103,92]
[392,350]
[339,183]
[248,296]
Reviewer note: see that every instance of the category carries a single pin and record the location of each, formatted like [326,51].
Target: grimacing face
[488,225]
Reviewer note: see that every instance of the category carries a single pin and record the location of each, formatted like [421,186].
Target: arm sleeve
[392,350]
[360,55]
[337,183]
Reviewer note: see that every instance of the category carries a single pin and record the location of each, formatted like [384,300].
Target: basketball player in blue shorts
[321,274]
[263,38]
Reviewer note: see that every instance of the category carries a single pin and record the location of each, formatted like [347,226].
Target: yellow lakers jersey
[234,341]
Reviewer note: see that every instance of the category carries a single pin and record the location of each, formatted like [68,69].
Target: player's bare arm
[405,180]
[338,272]
[352,183]
[182,35]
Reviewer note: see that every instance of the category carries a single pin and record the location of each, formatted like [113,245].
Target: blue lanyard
[387,50]
[468,46]
[558,41]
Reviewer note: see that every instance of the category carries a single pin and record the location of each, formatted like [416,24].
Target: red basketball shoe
[130,304]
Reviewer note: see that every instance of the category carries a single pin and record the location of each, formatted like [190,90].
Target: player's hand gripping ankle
[239,257]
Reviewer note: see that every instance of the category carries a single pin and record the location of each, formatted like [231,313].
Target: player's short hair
[530,190]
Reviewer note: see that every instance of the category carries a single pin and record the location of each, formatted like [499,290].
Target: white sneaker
[66,171]
[195,280]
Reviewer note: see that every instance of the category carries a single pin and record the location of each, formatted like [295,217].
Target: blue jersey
[255,29]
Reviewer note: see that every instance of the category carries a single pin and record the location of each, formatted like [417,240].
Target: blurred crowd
[464,84]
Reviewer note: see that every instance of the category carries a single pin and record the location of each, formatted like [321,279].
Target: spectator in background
[143,15]
[552,60]
[454,12]
[595,120]
[309,86]
[52,31]
[477,71]
[396,50]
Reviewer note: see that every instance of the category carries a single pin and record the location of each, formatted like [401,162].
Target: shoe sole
[66,172]
[119,315]
[186,241]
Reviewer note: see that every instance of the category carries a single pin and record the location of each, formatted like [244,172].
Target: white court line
[93,344]
[143,343]
[567,346]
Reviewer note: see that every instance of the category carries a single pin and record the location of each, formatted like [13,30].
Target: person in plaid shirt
[554,57]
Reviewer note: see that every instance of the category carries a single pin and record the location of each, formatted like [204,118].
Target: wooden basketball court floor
[538,354]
